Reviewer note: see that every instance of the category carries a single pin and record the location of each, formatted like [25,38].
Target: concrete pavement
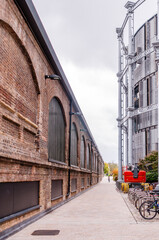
[99,214]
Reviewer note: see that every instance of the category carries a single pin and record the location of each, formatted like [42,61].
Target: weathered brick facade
[24,115]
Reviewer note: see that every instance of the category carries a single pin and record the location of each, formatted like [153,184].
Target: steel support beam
[119,110]
[141,55]
[123,26]
[130,103]
[158,104]
[126,125]
[138,3]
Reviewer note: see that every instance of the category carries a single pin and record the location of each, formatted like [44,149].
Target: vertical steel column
[126,124]
[130,103]
[158,20]
[119,109]
[158,113]
[156,47]
[158,80]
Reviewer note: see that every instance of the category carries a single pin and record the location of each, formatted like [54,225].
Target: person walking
[108,178]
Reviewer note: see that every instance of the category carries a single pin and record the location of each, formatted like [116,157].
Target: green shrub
[150,165]
[151,177]
[115,178]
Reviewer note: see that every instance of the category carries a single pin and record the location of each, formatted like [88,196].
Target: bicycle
[149,208]
[133,191]
[139,198]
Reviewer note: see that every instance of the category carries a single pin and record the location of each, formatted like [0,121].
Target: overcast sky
[83,35]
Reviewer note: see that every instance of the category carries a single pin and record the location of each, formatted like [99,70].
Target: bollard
[125,187]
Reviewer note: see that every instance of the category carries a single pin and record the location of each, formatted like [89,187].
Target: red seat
[129,177]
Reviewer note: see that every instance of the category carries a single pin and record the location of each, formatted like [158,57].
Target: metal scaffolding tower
[126,59]
[126,111]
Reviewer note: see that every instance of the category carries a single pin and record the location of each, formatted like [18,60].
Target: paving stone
[102,213]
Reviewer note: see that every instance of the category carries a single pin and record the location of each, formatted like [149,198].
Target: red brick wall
[24,112]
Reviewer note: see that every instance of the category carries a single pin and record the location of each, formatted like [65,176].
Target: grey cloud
[83,30]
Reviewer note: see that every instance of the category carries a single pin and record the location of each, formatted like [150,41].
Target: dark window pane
[136,97]
[82,182]
[82,155]
[56,189]
[141,94]
[56,141]
[6,199]
[18,196]
[74,141]
[88,156]
[26,194]
[73,185]
[88,182]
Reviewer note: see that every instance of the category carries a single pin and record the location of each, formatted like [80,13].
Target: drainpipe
[69,151]
[91,164]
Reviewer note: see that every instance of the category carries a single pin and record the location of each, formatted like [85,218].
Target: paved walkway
[99,214]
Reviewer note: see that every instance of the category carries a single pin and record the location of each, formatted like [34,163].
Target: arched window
[74,142]
[96,162]
[88,156]
[82,154]
[93,160]
[56,135]
[98,165]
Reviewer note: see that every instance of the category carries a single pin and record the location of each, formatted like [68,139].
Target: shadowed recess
[46,232]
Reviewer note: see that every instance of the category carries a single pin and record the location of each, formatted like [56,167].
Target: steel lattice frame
[126,111]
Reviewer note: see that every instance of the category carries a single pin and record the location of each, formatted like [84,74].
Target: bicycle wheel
[148,210]
[137,202]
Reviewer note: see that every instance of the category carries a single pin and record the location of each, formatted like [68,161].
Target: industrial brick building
[47,152]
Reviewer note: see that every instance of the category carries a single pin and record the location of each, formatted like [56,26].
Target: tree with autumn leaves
[106,168]
[111,169]
[115,174]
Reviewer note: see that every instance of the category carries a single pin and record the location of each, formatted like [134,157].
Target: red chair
[129,177]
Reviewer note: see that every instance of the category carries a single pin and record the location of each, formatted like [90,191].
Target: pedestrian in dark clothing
[108,178]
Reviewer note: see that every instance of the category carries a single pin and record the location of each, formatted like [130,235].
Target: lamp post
[53,77]
[91,159]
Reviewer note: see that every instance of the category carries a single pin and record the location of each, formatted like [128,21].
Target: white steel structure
[138,83]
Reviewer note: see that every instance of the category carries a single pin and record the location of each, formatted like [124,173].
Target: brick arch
[19,87]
